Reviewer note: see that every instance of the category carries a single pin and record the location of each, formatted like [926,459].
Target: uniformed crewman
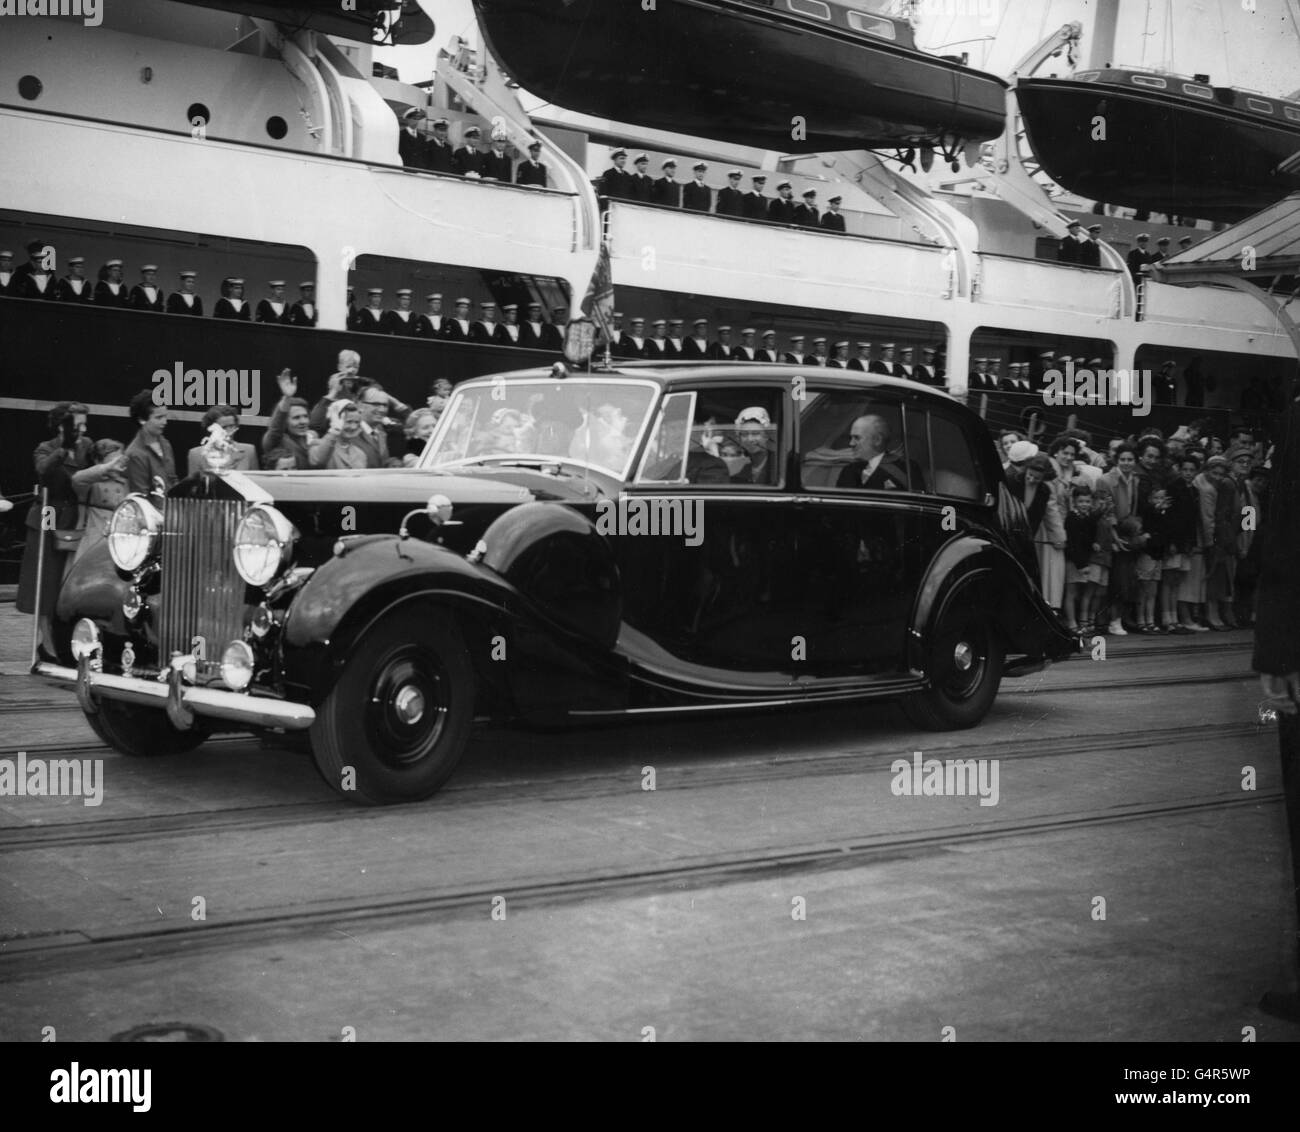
[370,318]
[439,156]
[232,305]
[633,344]
[33,280]
[147,295]
[1067,249]
[507,330]
[697,196]
[656,346]
[6,271]
[860,363]
[746,351]
[666,191]
[977,379]
[110,291]
[833,219]
[400,321]
[1162,250]
[75,287]
[795,355]
[731,201]
[1139,257]
[468,159]
[185,300]
[303,312]
[808,215]
[1090,249]
[696,347]
[410,142]
[275,308]
[616,181]
[782,210]
[642,186]
[675,342]
[554,333]
[767,348]
[531,171]
[840,358]
[720,348]
[905,367]
[495,165]
[885,363]
[484,329]
[532,330]
[994,374]
[430,324]
[456,328]
[754,206]
[819,357]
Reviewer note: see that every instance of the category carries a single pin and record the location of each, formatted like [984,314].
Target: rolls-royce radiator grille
[201,595]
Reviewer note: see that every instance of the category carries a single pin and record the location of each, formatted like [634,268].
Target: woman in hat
[1046,525]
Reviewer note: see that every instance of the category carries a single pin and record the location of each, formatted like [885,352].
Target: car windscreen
[592,422]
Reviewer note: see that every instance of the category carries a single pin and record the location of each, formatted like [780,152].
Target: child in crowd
[1150,561]
[1080,545]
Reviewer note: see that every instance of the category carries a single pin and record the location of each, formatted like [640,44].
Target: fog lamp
[85,639]
[237,666]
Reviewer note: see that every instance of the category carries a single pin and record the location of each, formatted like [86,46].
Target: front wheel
[394,726]
[965,669]
[143,732]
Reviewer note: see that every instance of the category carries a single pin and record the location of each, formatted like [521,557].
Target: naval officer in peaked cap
[697,196]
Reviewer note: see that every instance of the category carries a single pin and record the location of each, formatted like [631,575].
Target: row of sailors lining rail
[1080,246]
[533,332]
[696,195]
[986,374]
[36,279]
[434,153]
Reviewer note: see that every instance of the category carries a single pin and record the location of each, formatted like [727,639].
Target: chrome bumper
[236,707]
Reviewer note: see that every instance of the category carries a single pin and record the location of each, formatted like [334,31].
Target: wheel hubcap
[963,656]
[409,705]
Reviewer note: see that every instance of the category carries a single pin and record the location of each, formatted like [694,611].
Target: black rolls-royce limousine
[570,547]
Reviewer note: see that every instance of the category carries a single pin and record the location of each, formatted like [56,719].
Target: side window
[955,467]
[856,440]
[665,456]
[725,437]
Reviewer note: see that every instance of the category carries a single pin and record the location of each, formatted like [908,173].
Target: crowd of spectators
[1154,535]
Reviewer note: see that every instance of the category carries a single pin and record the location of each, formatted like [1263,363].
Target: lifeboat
[796,76]
[1162,142]
[367,21]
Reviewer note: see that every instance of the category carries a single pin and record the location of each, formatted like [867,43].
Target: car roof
[669,374]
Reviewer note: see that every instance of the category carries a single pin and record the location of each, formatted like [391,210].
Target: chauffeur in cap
[754,206]
[832,218]
[767,351]
[861,363]
[74,287]
[531,171]
[807,214]
[697,196]
[616,181]
[6,271]
[274,308]
[400,321]
[303,312]
[840,359]
[147,295]
[795,355]
[642,185]
[782,210]
[507,331]
[456,328]
[666,191]
[232,304]
[110,291]
[484,329]
[370,318]
[746,351]
[731,201]
[468,159]
[430,324]
[696,347]
[184,300]
[439,156]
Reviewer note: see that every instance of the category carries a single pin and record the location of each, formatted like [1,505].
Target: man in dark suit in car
[874,467]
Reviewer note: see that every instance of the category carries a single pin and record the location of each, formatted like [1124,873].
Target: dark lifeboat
[787,75]
[1171,144]
[369,21]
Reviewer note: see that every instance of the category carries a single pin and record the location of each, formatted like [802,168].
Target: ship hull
[728,71]
[1159,154]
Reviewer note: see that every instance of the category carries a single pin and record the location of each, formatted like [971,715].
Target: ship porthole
[198,114]
[277,127]
[30,87]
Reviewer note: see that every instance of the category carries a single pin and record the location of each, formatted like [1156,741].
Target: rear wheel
[395,725]
[965,669]
[143,732]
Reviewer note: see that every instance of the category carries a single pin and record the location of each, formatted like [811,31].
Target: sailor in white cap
[861,363]
[746,351]
[782,210]
[507,330]
[885,363]
[531,171]
[147,295]
[74,287]
[696,347]
[231,305]
[795,355]
[430,324]
[303,311]
[485,328]
[110,291]
[978,381]
[656,346]
[553,338]
[675,343]
[642,185]
[767,350]
[633,342]
[6,271]
[905,368]
[399,322]
[754,206]
[616,181]
[808,215]
[468,159]
[720,349]
[456,328]
[370,318]
[34,279]
[184,300]
[697,196]
[833,219]
[274,308]
[532,329]
[840,358]
[731,201]
[819,357]
[666,191]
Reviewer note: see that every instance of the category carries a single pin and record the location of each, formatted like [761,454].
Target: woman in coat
[1041,493]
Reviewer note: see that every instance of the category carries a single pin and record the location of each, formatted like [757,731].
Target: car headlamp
[264,543]
[133,532]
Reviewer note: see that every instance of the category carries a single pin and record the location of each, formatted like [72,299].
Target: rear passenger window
[855,441]
[954,467]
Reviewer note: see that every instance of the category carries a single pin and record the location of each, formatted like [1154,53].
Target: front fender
[973,568]
[94,588]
